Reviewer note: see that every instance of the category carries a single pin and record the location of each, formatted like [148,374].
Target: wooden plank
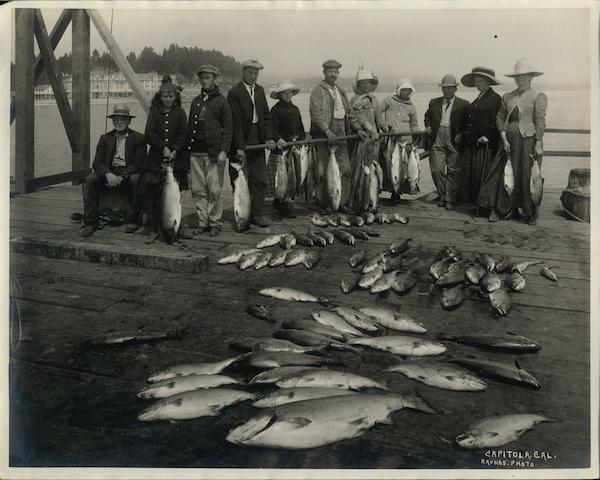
[55,35]
[120,59]
[24,98]
[81,89]
[566,153]
[41,182]
[62,100]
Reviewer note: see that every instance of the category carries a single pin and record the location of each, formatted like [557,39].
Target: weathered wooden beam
[24,99]
[81,88]
[120,59]
[62,100]
[48,180]
[55,35]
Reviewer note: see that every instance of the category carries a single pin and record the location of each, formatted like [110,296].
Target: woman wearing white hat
[521,121]
[399,115]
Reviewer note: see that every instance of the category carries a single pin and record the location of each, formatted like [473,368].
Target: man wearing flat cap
[119,156]
[251,126]
[330,117]
[209,129]
[445,124]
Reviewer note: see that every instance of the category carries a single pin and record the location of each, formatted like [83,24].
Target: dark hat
[121,110]
[331,64]
[208,68]
[468,80]
[252,64]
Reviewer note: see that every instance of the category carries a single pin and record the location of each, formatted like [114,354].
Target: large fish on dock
[399,246]
[439,375]
[311,259]
[295,257]
[440,267]
[196,404]
[269,241]
[262,359]
[334,180]
[315,327]
[249,259]
[310,338]
[344,236]
[350,282]
[505,372]
[263,260]
[491,282]
[370,278]
[235,256]
[321,421]
[124,339]
[536,184]
[332,319]
[452,297]
[328,236]
[316,239]
[404,282]
[394,173]
[384,282]
[303,240]
[509,341]
[278,373]
[475,273]
[329,379]
[357,258]
[284,396]
[356,318]
[509,177]
[170,202]
[290,294]
[241,200]
[524,265]
[279,258]
[394,319]
[173,386]
[249,344]
[302,158]
[181,370]
[549,274]
[500,301]
[456,274]
[319,220]
[287,241]
[487,261]
[498,430]
[401,345]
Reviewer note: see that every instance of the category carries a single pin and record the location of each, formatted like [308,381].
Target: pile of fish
[453,273]
[296,172]
[402,165]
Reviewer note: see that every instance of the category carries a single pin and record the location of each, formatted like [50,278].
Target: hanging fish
[509,177]
[413,172]
[281,178]
[536,183]
[334,180]
[303,157]
[379,172]
[241,200]
[395,168]
[310,181]
[290,165]
[170,201]
[373,191]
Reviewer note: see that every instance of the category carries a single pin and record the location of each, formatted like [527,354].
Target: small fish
[504,265]
[371,232]
[509,177]
[344,237]
[328,379]
[383,218]
[187,383]
[278,258]
[400,246]
[350,282]
[475,273]
[384,283]
[318,220]
[506,372]
[284,396]
[452,297]
[357,220]
[124,339]
[260,311]
[370,278]
[404,282]
[439,375]
[499,430]
[515,281]
[195,404]
[457,274]
[357,233]
[396,217]
[440,268]
[333,221]
[356,318]
[170,206]
[368,217]
[184,369]
[280,345]
[311,259]
[451,252]
[316,239]
[235,256]
[524,265]
[303,240]
[269,241]
[536,184]
[357,258]
[491,282]
[328,236]
[262,359]
[549,274]
[249,259]
[316,340]
[394,319]
[278,373]
[401,345]
[295,257]
[486,261]
[287,241]
[263,260]
[509,341]
[500,301]
[332,319]
[290,294]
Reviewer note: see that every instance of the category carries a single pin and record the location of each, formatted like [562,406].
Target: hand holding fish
[166,152]
[222,157]
[538,149]
[281,144]
[240,157]
[330,137]
[270,145]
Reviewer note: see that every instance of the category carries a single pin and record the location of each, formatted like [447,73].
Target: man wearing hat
[251,125]
[209,139]
[329,117]
[445,122]
[118,158]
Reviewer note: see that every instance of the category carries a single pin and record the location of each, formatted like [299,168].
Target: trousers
[93,186]
[206,183]
[443,161]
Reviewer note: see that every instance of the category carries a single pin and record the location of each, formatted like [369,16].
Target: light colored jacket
[400,116]
[322,106]
[532,112]
[366,113]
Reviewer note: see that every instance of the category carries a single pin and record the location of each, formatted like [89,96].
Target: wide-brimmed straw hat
[364,74]
[283,86]
[404,83]
[468,80]
[121,110]
[523,67]
[448,80]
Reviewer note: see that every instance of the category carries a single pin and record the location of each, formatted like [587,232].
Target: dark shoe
[214,231]
[323,211]
[260,221]
[450,206]
[531,220]
[185,233]
[287,210]
[131,227]
[88,230]
[276,203]
[395,198]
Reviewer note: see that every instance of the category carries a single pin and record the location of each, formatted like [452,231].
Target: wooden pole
[81,89]
[55,35]
[120,59]
[24,99]
[60,94]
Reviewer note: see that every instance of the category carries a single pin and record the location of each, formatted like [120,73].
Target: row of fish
[536,182]
[402,164]
[365,218]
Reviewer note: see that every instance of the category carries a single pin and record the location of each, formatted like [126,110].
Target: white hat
[364,74]
[282,87]
[404,83]
[523,67]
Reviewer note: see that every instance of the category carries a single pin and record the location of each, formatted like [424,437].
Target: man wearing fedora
[330,111]
[445,122]
[251,126]
[118,158]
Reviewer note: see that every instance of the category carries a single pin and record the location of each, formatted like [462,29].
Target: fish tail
[416,402]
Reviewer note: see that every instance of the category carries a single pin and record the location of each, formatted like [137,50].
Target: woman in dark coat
[482,140]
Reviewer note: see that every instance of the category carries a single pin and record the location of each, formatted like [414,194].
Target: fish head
[248,430]
[467,440]
[529,379]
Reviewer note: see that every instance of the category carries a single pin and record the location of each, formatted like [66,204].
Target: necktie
[447,105]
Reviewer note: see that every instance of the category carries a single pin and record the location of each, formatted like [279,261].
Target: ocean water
[566,109]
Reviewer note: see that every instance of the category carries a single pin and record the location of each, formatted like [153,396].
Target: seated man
[119,155]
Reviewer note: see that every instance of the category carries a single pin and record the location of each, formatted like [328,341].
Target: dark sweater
[165,129]
[287,122]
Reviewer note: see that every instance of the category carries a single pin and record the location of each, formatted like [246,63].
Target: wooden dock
[74,407]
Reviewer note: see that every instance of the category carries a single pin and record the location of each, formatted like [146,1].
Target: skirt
[471,163]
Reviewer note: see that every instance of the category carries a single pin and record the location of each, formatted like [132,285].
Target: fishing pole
[108,76]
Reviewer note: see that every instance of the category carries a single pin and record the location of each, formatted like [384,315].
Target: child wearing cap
[287,127]
[210,128]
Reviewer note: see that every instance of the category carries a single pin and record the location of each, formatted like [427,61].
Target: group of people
[469,143]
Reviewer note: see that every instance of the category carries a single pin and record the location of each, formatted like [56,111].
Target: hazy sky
[421,44]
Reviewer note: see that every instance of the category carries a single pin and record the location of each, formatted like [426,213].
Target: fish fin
[416,402]
[299,422]
[361,420]
[387,420]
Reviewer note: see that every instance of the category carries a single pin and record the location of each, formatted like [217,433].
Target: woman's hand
[538,149]
[483,140]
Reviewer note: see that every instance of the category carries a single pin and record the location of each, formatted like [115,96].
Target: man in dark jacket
[445,123]
[209,140]
[118,158]
[251,126]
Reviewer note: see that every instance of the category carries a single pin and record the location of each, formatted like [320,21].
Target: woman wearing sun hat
[481,139]
[287,126]
[521,121]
